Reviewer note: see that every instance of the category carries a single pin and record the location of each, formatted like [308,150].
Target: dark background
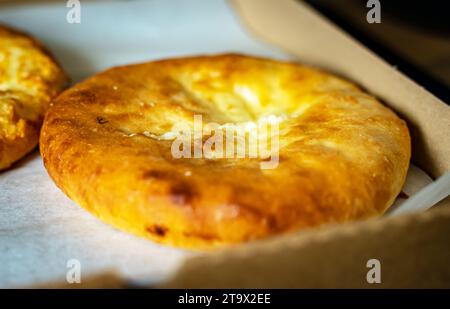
[412,35]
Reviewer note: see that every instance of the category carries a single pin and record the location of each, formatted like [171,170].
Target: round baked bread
[29,79]
[107,142]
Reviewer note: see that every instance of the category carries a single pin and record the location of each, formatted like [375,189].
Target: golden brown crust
[343,155]
[29,79]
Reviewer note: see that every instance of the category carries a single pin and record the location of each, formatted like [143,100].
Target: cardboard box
[413,250]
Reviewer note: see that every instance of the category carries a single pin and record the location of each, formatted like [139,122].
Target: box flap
[413,252]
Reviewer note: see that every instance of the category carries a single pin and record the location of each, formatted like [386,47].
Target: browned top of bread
[343,155]
[29,79]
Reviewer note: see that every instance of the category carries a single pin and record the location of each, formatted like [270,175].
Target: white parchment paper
[40,228]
